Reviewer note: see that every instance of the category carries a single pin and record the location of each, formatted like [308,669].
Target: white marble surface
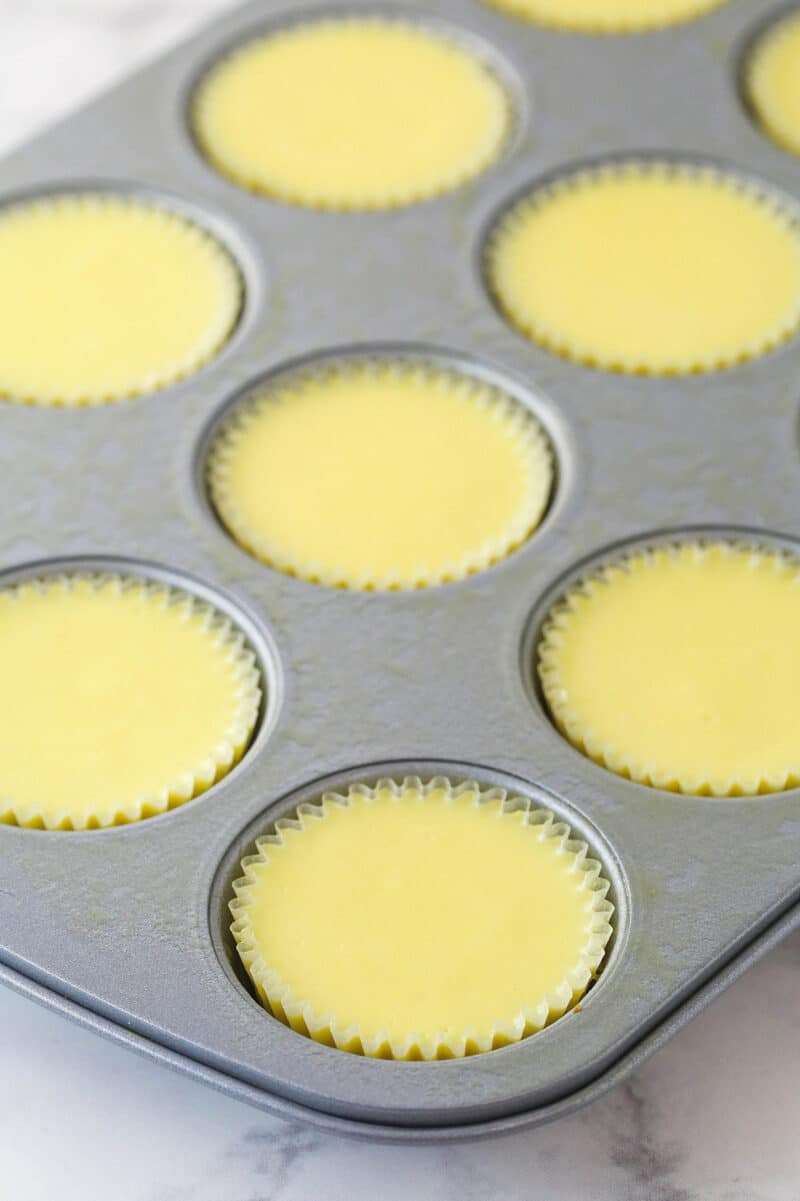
[713,1117]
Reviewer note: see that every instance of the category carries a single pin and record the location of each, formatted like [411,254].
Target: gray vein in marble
[638,1150]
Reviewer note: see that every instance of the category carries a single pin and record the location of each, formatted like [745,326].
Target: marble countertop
[712,1117]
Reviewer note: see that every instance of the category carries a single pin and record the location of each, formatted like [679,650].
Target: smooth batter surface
[417,922]
[351,113]
[607,16]
[381,475]
[773,82]
[119,700]
[679,668]
[649,269]
[105,298]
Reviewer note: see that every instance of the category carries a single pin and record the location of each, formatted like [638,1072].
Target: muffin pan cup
[127,928]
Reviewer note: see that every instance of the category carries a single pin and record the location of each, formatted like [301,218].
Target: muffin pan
[128,928]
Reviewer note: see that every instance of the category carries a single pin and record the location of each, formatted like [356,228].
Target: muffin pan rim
[576,31]
[695,162]
[764,23]
[255,632]
[779,929]
[229,865]
[745,536]
[531,398]
[518,99]
[253,277]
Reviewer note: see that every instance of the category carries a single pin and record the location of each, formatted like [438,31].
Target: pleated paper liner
[772,81]
[122,698]
[650,267]
[370,79]
[607,16]
[677,667]
[420,921]
[107,297]
[380,474]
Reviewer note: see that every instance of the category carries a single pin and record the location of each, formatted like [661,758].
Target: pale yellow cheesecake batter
[607,16]
[384,474]
[773,82]
[648,268]
[420,922]
[351,113]
[678,667]
[121,698]
[106,297]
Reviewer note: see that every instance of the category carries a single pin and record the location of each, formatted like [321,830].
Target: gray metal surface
[127,926]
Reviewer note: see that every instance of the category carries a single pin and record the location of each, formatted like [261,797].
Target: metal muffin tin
[127,928]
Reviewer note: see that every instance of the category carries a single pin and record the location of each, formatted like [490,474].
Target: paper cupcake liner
[553,339]
[617,759]
[617,18]
[210,136]
[45,390]
[219,758]
[335,1030]
[521,424]
[765,104]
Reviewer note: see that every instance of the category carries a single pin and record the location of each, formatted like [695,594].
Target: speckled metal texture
[127,928]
